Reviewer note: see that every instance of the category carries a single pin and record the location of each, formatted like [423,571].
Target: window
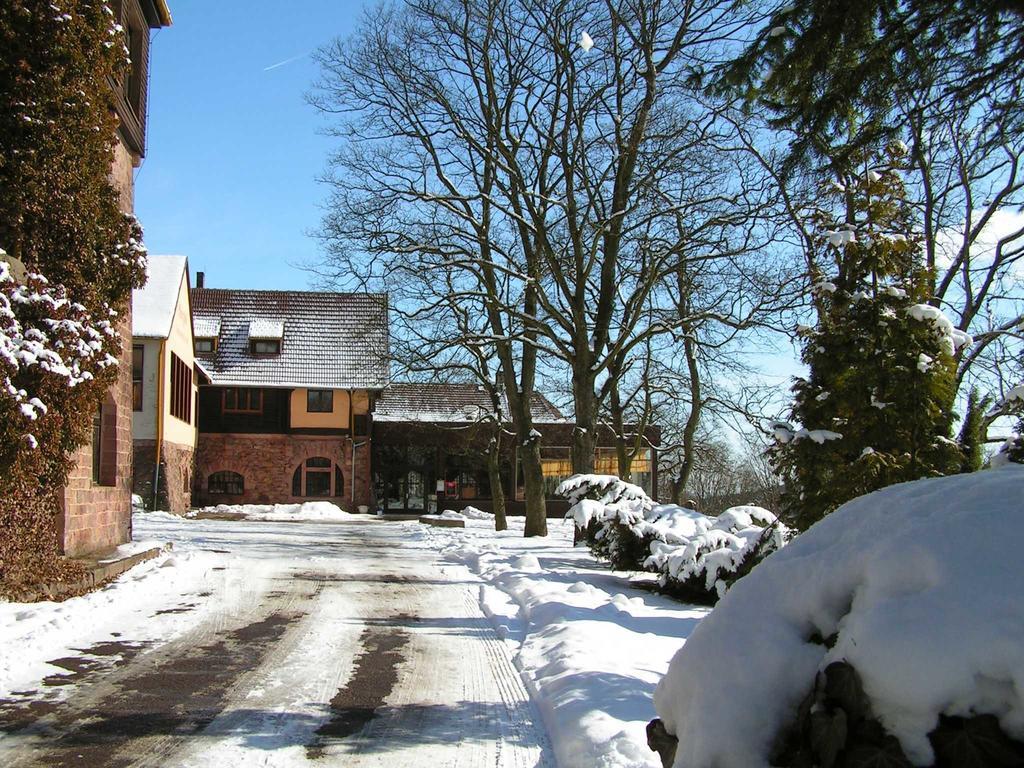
[181,390]
[104,443]
[130,86]
[205,345]
[319,400]
[556,466]
[318,483]
[243,400]
[265,346]
[641,470]
[313,478]
[606,462]
[138,357]
[230,483]
[361,423]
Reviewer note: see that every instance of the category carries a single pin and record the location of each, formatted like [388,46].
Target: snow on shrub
[697,557]
[47,344]
[607,512]
[890,631]
[701,567]
[1011,451]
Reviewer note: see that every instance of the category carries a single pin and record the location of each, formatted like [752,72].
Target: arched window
[314,477]
[225,482]
[104,443]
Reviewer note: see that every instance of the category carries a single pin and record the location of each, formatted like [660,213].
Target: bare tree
[967,184]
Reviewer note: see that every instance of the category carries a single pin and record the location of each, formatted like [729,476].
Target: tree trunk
[494,473]
[533,480]
[690,429]
[584,436]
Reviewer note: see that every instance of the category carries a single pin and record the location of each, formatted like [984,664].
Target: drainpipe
[159,421]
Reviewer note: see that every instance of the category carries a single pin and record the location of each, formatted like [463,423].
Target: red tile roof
[331,340]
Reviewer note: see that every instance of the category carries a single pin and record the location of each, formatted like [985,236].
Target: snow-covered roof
[266,329]
[450,403]
[329,340]
[206,327]
[153,305]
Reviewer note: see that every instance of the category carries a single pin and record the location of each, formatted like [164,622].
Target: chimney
[200,277]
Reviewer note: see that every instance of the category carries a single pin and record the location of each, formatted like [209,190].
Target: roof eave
[157,13]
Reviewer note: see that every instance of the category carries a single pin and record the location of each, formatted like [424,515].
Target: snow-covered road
[272,644]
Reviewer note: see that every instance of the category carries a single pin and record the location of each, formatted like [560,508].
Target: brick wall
[98,516]
[268,462]
[176,473]
[95,517]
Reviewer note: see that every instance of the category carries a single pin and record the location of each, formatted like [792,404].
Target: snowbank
[47,631]
[309,510]
[919,585]
[589,646]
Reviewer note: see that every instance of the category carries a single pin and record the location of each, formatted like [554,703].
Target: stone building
[430,443]
[96,502]
[165,387]
[293,378]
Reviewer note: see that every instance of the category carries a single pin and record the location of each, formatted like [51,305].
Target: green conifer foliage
[876,408]
[821,66]
[60,218]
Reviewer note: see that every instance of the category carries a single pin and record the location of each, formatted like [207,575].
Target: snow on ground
[921,585]
[590,647]
[307,511]
[47,631]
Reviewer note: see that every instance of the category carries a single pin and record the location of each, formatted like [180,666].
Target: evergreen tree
[876,408]
[820,64]
[972,432]
[73,259]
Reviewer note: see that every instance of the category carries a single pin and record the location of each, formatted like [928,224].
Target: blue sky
[233,149]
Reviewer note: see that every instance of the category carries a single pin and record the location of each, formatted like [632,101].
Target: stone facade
[98,516]
[267,462]
[94,515]
[174,492]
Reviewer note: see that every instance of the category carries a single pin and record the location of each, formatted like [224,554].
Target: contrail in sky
[286,61]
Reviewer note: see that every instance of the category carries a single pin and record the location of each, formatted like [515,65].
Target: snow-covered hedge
[697,557]
[888,634]
[609,514]
[702,566]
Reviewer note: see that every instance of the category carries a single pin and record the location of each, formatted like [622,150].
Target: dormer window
[265,347]
[265,337]
[206,331]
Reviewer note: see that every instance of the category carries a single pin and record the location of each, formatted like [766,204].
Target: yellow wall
[180,343]
[336,419]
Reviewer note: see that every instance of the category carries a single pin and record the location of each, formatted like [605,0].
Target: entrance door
[415,498]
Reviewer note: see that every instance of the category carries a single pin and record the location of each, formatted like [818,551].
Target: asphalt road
[348,650]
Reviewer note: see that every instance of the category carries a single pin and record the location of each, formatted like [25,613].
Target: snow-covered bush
[702,566]
[887,634]
[697,557]
[1010,452]
[607,511]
